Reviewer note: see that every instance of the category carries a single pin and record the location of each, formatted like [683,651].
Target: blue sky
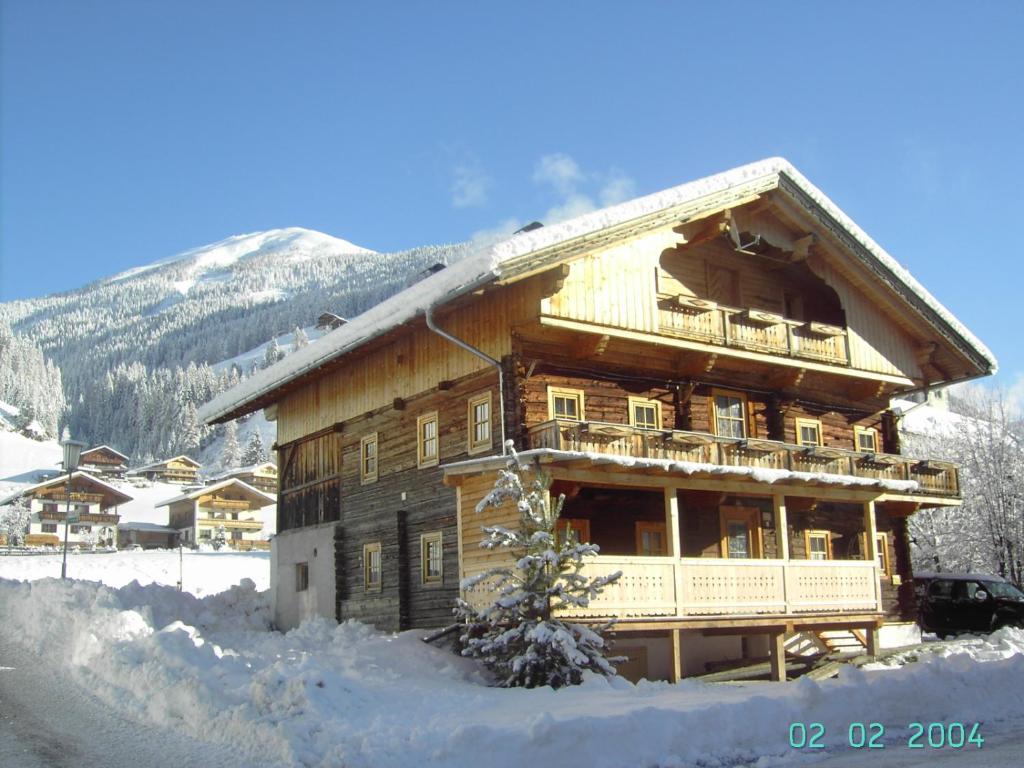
[132,131]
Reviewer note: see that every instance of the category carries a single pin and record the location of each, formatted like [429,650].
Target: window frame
[369,550]
[650,525]
[742,397]
[48,528]
[858,431]
[881,548]
[365,476]
[580,526]
[302,576]
[426,539]
[423,460]
[474,446]
[817,533]
[644,402]
[567,392]
[755,533]
[799,422]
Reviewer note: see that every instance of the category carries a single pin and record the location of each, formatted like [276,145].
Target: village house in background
[262,476]
[137,533]
[93,511]
[181,470]
[705,373]
[231,506]
[105,461]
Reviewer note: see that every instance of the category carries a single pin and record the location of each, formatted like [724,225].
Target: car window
[941,588]
[972,589]
[1003,589]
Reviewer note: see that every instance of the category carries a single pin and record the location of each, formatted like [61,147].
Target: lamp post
[72,452]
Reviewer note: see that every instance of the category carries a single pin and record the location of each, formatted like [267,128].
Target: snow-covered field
[203,573]
[324,695]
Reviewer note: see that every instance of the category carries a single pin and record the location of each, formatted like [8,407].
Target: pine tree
[517,637]
[255,453]
[301,339]
[14,521]
[273,353]
[190,431]
[230,453]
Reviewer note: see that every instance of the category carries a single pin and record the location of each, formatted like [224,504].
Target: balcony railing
[753,330]
[934,478]
[664,586]
[229,524]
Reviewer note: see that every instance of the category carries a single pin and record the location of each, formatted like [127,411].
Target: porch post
[676,671]
[781,526]
[871,548]
[672,522]
[777,648]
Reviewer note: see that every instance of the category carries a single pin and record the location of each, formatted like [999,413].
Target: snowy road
[46,722]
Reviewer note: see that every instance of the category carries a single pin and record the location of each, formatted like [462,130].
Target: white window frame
[799,423]
[858,431]
[569,394]
[715,394]
[642,402]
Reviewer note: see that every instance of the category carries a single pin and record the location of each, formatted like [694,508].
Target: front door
[741,533]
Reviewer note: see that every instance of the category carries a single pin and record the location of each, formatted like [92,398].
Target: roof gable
[111,494]
[529,252]
[234,483]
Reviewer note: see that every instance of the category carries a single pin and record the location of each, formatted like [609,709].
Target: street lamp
[72,452]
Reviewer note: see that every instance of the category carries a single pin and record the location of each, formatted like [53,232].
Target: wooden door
[740,532]
[651,539]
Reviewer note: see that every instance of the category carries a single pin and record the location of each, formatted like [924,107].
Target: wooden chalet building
[230,504]
[93,502]
[182,470]
[262,476]
[104,460]
[705,373]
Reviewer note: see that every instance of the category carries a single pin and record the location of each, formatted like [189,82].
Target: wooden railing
[663,586]
[242,525]
[934,478]
[752,330]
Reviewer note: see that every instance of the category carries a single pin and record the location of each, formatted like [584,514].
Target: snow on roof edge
[216,487]
[63,479]
[484,265]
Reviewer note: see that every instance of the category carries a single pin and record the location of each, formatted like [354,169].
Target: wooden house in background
[704,372]
[262,476]
[182,470]
[230,504]
[93,507]
[104,460]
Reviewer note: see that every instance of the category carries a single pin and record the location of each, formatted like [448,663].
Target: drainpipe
[483,356]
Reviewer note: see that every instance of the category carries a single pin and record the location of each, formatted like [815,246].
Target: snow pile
[325,695]
[204,573]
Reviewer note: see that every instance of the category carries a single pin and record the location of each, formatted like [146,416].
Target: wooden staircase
[845,642]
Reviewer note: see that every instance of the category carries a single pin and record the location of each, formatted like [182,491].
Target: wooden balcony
[934,478]
[659,587]
[752,330]
[229,524]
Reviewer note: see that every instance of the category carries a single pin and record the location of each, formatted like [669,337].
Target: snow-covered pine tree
[255,453]
[516,636]
[14,520]
[220,538]
[273,353]
[230,453]
[301,339]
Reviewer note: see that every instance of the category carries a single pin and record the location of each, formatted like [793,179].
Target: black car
[967,602]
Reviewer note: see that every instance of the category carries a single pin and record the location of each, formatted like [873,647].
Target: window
[645,414]
[368,459]
[205,533]
[572,529]
[371,567]
[740,532]
[730,414]
[81,529]
[301,577]
[881,552]
[819,545]
[426,442]
[565,404]
[49,507]
[808,432]
[479,420]
[866,439]
[651,539]
[49,527]
[431,558]
[236,535]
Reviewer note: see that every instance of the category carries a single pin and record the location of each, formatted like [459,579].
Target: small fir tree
[220,538]
[255,453]
[230,453]
[516,636]
[301,339]
[14,521]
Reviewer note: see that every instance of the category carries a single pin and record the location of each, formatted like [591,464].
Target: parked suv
[967,602]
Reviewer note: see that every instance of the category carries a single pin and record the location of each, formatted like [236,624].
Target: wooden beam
[697,365]
[781,525]
[871,531]
[592,348]
[672,522]
[802,247]
[676,670]
[871,639]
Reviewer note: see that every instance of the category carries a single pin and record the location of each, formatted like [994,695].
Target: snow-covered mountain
[136,349]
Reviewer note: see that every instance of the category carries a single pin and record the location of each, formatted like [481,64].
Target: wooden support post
[870,532]
[871,638]
[676,672]
[781,526]
[777,648]
[672,523]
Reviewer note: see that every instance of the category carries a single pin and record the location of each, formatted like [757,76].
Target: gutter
[429,314]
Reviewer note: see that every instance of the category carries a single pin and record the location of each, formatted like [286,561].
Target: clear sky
[130,131]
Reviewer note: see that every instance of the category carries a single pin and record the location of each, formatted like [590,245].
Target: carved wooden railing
[753,330]
[663,586]
[934,478]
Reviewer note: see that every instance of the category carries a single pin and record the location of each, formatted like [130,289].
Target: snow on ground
[327,695]
[204,572]
[22,458]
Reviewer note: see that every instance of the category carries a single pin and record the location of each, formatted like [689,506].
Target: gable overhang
[539,250]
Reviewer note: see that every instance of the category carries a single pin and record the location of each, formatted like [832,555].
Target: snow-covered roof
[119,495]
[145,527]
[247,470]
[105,448]
[757,474]
[548,245]
[205,489]
[165,462]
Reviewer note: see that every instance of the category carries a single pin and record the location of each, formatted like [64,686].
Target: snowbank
[325,695]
